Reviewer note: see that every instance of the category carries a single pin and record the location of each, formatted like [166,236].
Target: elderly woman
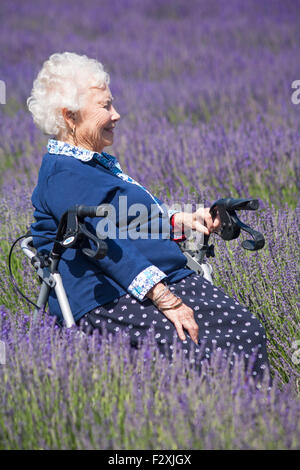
[142,282]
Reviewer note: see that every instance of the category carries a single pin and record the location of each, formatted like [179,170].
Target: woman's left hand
[196,220]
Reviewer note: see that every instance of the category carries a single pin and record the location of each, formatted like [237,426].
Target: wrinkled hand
[183,318]
[196,220]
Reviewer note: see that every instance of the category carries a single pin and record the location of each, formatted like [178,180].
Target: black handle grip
[86,211]
[233,204]
[231,225]
[91,211]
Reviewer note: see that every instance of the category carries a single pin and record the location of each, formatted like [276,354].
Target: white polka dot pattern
[223,323]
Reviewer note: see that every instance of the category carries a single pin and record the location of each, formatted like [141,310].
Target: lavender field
[204,92]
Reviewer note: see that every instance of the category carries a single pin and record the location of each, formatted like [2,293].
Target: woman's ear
[69,117]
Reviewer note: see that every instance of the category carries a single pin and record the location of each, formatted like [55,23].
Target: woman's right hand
[183,318]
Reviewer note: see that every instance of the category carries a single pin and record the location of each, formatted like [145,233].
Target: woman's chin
[107,142]
[103,143]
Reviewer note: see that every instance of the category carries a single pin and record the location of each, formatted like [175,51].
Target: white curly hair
[62,83]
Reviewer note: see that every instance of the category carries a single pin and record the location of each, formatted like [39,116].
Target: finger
[191,326]
[180,332]
[217,222]
[209,221]
[203,217]
[210,226]
[194,333]
[201,228]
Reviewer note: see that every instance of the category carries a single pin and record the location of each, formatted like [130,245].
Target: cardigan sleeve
[124,263]
[176,236]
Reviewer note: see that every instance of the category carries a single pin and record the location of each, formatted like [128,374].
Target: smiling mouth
[109,129]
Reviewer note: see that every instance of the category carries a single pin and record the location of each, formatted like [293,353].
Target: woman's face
[96,120]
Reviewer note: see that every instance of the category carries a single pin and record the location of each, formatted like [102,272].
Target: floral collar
[63,148]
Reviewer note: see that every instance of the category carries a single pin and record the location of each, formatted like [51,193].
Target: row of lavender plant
[63,391]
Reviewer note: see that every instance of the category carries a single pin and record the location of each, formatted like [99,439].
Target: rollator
[72,231]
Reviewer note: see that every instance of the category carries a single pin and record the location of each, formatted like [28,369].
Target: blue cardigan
[132,266]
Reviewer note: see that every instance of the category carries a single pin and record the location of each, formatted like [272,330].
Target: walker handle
[231,225]
[72,230]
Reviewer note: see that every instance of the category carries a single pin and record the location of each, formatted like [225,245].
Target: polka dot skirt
[223,323]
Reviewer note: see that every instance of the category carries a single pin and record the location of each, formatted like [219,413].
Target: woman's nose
[115,115]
